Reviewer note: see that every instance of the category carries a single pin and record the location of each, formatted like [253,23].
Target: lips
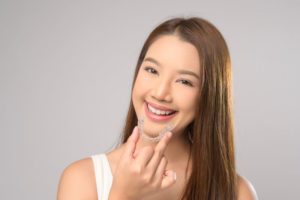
[158,107]
[161,117]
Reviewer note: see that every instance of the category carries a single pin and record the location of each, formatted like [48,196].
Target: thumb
[169,179]
[131,143]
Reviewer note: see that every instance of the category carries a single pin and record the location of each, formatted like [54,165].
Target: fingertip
[135,130]
[134,134]
[131,142]
[169,134]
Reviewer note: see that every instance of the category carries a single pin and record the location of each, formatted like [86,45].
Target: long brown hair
[213,173]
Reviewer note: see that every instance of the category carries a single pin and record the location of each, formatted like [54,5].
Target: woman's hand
[144,174]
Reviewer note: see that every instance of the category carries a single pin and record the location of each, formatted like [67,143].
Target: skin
[146,170]
[160,81]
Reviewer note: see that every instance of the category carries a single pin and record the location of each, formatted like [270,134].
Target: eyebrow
[182,71]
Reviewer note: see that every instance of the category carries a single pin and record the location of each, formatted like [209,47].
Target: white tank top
[103,175]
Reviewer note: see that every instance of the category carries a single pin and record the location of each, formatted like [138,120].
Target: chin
[153,130]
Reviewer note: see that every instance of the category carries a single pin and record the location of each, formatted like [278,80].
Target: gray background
[65,75]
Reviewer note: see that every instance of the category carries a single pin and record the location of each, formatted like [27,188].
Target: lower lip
[157,118]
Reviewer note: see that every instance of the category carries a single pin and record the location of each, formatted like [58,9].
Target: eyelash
[188,83]
[153,71]
[149,69]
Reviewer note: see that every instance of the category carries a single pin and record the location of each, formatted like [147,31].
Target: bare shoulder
[246,190]
[78,181]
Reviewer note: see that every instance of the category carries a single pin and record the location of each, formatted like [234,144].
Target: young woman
[183,147]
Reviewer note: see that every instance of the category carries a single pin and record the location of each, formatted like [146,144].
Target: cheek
[141,86]
[187,100]
[135,97]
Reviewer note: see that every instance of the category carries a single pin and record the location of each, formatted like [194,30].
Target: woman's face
[167,85]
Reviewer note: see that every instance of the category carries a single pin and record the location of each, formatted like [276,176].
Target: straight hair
[213,175]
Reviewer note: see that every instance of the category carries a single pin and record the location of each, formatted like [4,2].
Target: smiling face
[167,85]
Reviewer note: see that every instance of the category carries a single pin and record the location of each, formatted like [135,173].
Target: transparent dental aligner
[168,128]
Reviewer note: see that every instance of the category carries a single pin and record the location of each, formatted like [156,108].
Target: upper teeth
[158,112]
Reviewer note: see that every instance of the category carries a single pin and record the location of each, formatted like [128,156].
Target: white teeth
[158,112]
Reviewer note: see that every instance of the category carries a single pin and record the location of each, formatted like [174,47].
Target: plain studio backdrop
[66,69]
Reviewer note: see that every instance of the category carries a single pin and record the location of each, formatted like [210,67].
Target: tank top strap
[103,175]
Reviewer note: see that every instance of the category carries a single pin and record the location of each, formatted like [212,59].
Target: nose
[162,91]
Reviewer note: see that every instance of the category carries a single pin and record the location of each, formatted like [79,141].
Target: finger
[131,143]
[159,173]
[144,156]
[169,179]
[159,151]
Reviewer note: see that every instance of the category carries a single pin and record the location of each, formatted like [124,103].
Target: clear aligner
[168,128]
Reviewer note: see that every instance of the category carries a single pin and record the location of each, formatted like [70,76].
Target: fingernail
[174,176]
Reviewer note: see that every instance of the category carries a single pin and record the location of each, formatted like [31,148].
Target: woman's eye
[186,82]
[150,70]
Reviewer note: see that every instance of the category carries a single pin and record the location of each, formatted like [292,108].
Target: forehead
[170,50]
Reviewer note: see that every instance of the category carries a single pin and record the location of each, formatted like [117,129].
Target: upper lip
[160,107]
